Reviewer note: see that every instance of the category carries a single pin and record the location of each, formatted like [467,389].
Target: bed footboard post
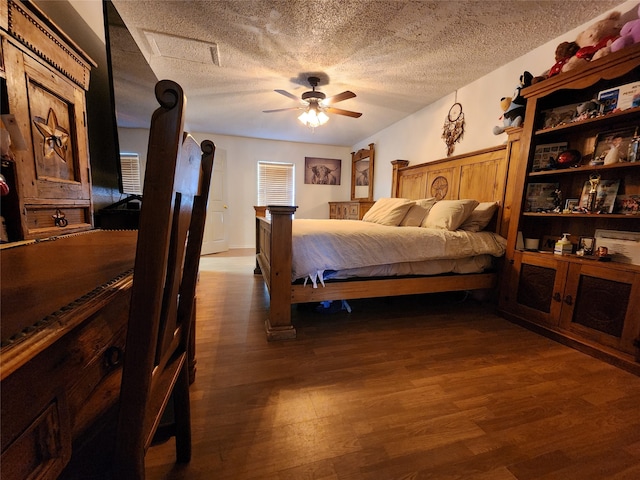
[278,326]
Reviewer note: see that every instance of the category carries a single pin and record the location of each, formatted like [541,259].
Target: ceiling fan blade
[281,109]
[339,97]
[347,113]
[287,94]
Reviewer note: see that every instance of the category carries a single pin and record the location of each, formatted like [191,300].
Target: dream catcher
[453,127]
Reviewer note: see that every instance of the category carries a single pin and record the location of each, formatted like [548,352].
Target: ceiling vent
[188,49]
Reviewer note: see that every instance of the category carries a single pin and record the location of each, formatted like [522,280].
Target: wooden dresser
[351,210]
[65,305]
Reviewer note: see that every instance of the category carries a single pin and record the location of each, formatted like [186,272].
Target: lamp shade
[313,117]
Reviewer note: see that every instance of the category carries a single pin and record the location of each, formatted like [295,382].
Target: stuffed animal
[629,34]
[595,42]
[514,107]
[563,53]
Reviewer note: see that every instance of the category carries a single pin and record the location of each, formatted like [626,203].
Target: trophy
[594,181]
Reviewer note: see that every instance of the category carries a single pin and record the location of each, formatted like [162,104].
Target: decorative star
[55,137]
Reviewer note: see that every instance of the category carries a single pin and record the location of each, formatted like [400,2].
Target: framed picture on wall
[322,171]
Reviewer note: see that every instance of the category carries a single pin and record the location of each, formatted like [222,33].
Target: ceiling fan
[316,105]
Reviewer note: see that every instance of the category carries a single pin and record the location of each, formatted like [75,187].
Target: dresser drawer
[353,211]
[56,219]
[96,383]
[64,391]
[333,210]
[43,449]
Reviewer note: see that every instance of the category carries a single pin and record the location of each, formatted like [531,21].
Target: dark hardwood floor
[428,387]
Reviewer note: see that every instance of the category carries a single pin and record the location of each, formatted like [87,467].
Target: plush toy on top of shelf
[564,51]
[595,41]
[514,107]
[629,34]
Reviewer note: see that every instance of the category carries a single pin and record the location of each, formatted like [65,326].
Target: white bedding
[321,246]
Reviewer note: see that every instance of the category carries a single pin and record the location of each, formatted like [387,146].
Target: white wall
[242,156]
[91,12]
[416,138]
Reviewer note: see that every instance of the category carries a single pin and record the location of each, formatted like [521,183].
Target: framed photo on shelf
[541,197]
[572,204]
[613,146]
[624,247]
[545,155]
[627,204]
[548,243]
[587,245]
[605,197]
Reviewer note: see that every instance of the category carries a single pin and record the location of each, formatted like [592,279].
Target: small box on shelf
[620,98]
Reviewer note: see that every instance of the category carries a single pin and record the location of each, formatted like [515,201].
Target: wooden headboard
[481,175]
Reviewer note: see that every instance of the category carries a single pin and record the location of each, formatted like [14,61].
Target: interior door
[215,234]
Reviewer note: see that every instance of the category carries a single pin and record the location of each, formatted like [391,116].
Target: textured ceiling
[398,56]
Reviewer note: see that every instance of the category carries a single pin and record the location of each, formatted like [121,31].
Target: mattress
[323,249]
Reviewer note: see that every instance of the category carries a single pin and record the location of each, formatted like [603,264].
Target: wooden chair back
[172,217]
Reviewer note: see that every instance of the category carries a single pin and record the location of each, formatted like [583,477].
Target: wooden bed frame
[481,175]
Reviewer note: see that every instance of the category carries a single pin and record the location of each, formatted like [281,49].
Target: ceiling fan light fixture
[313,117]
[315,105]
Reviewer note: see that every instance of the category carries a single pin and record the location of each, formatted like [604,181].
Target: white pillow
[388,211]
[480,217]
[449,214]
[417,212]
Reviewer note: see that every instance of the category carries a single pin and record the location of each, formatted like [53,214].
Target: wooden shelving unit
[591,305]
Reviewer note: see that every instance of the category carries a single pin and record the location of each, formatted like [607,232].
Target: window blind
[130,172]
[275,183]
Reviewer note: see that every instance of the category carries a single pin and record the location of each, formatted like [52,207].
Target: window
[130,173]
[275,183]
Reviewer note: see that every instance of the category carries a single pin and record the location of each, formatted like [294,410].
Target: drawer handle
[568,300]
[113,357]
[59,219]
[557,297]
